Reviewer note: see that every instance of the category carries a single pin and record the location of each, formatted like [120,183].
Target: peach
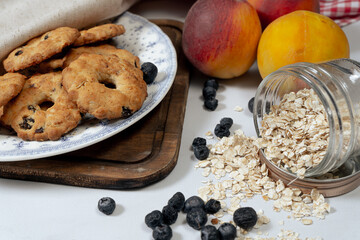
[269,10]
[300,36]
[220,37]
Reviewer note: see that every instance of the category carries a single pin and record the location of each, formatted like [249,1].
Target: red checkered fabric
[343,12]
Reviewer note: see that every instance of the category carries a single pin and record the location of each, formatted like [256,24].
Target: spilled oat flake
[238,173]
[235,164]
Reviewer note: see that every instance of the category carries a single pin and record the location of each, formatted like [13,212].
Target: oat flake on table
[238,174]
[236,158]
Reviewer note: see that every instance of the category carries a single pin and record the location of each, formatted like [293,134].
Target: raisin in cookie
[99,33]
[85,78]
[40,48]
[43,110]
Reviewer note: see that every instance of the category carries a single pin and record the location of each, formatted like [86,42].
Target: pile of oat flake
[235,164]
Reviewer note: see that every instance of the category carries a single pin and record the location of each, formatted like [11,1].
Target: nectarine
[220,37]
[269,10]
[300,36]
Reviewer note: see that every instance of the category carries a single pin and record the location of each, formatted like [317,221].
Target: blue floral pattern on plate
[150,44]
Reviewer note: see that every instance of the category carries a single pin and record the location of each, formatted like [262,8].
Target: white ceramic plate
[143,39]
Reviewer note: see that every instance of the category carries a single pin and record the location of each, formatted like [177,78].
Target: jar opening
[293,79]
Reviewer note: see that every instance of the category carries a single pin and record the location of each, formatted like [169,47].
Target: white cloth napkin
[21,20]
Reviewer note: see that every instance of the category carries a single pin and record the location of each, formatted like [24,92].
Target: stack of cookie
[64,78]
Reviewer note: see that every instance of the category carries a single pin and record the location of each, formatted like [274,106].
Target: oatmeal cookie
[85,80]
[40,48]
[10,85]
[50,65]
[104,49]
[99,33]
[74,53]
[43,110]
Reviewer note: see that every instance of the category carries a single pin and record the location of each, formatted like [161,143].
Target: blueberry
[150,72]
[201,152]
[193,202]
[196,218]
[211,104]
[177,201]
[267,107]
[162,232]
[227,122]
[259,106]
[251,105]
[209,232]
[245,217]
[212,206]
[170,214]
[221,131]
[227,231]
[211,83]
[106,205]
[198,141]
[153,219]
[209,93]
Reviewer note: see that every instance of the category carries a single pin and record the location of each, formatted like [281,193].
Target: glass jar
[337,84]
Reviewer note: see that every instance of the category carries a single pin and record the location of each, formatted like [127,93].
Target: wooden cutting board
[144,153]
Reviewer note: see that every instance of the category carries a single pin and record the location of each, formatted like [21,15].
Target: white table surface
[34,211]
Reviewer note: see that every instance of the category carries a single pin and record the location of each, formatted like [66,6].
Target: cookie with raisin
[10,85]
[40,48]
[43,110]
[99,33]
[105,86]
[75,53]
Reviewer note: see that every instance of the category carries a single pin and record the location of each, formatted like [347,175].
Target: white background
[33,211]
